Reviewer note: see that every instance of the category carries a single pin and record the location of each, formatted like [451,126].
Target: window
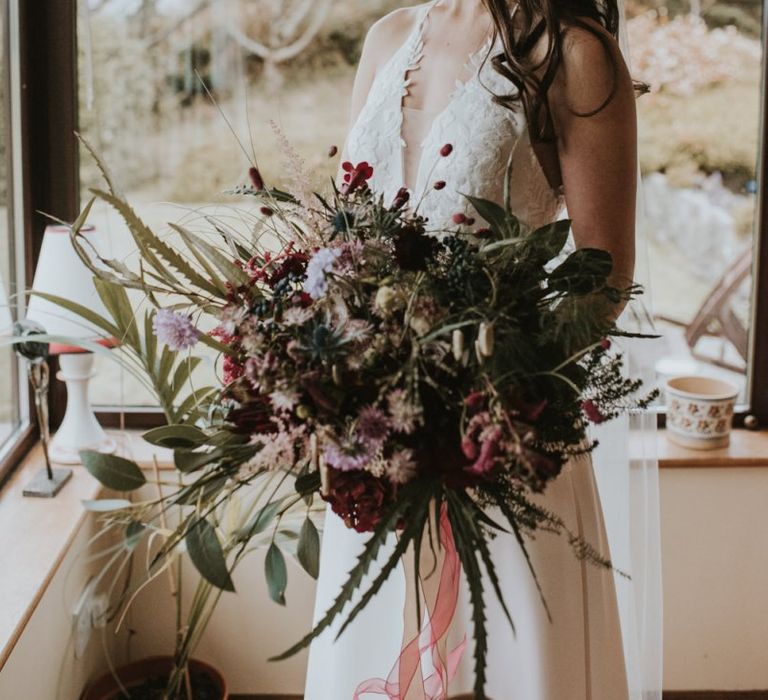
[143,65]
[13,401]
[699,152]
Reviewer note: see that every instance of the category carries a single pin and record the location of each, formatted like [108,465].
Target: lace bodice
[484,136]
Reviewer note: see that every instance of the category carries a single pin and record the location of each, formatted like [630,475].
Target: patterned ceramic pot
[700,411]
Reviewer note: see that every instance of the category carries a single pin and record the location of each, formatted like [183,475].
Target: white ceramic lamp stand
[61,272]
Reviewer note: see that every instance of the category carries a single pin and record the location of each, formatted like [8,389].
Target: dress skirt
[577,655]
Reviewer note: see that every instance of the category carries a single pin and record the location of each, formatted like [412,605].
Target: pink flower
[402,467]
[475,401]
[446,150]
[489,450]
[175,330]
[347,458]
[592,412]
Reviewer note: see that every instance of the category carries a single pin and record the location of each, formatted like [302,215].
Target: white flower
[322,262]
[284,400]
[297,316]
[386,300]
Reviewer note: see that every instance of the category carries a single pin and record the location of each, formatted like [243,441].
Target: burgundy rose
[358,498]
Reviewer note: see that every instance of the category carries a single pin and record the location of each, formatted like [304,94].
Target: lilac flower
[346,458]
[175,330]
[373,426]
[322,262]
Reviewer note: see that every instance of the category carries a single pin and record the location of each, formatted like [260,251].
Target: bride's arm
[598,153]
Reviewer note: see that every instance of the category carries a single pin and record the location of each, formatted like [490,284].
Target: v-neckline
[415,45]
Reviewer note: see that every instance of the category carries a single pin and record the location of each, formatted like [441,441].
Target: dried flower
[346,458]
[592,412]
[355,175]
[175,330]
[332,151]
[386,300]
[402,198]
[459,219]
[402,467]
[256,179]
[322,262]
[457,344]
[404,414]
[267,211]
[373,426]
[605,343]
[485,339]
[439,185]
[446,150]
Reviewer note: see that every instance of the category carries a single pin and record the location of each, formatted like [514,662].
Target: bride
[543,83]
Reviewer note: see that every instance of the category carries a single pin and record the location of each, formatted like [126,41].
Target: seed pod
[485,339]
[336,374]
[479,352]
[332,151]
[457,342]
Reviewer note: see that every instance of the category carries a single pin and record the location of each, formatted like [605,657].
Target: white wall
[715,558]
[42,665]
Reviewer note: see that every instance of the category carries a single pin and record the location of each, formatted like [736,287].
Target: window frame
[49,77]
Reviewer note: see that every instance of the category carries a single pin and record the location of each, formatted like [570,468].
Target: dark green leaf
[202,490]
[497,218]
[207,555]
[582,272]
[114,472]
[276,573]
[308,483]
[133,534]
[547,242]
[308,550]
[176,436]
[260,521]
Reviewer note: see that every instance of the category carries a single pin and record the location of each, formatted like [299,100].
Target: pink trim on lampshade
[61,349]
[60,228]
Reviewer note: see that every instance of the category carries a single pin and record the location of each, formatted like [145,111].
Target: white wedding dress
[579,655]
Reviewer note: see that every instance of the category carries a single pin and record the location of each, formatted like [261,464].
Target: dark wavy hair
[533,78]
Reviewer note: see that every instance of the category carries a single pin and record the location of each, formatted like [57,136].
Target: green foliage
[308,551]
[207,555]
[116,473]
[276,574]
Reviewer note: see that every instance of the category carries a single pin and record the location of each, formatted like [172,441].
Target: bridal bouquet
[425,382]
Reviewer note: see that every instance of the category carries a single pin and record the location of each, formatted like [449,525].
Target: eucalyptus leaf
[276,573]
[582,272]
[497,218]
[114,472]
[207,555]
[106,505]
[308,550]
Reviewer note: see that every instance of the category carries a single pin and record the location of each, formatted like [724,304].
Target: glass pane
[699,136]
[144,108]
[9,403]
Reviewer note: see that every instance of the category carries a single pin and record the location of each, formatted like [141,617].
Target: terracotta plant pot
[134,674]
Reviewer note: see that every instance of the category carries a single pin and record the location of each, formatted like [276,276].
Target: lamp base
[64,454]
[79,430]
[43,487]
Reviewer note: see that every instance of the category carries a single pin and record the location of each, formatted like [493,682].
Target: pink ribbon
[398,683]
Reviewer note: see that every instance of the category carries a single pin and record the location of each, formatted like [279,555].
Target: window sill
[35,534]
[748,448]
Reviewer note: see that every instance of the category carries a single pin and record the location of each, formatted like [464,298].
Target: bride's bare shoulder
[387,34]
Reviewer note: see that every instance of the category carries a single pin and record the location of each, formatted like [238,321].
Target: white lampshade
[62,273]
